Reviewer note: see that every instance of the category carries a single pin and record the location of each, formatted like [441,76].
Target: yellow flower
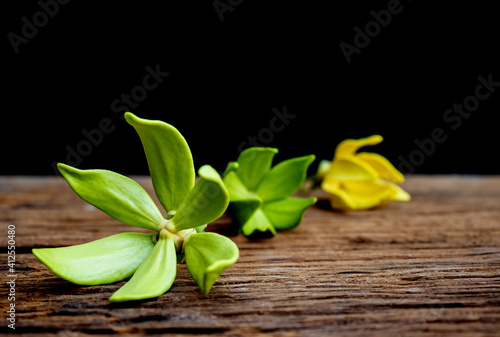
[361,180]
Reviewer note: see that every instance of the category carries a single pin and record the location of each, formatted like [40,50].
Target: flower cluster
[261,199]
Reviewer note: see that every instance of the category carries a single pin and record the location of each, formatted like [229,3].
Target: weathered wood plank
[430,267]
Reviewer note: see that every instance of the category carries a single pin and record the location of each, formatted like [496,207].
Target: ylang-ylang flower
[360,180]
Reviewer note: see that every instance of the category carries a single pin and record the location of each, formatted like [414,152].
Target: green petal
[243,210]
[258,222]
[235,187]
[323,168]
[287,213]
[231,166]
[253,164]
[154,276]
[200,229]
[285,178]
[243,203]
[207,256]
[116,195]
[169,159]
[206,202]
[98,262]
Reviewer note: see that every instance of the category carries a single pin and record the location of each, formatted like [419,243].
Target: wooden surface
[430,267]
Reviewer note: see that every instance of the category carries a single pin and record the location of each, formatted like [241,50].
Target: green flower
[260,196]
[151,259]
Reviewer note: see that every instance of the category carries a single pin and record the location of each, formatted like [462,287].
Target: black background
[226,77]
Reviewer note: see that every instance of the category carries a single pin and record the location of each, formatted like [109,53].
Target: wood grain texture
[430,267]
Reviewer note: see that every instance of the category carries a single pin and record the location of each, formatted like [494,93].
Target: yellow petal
[369,194]
[375,193]
[350,146]
[338,198]
[350,168]
[400,194]
[384,168]
[363,195]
